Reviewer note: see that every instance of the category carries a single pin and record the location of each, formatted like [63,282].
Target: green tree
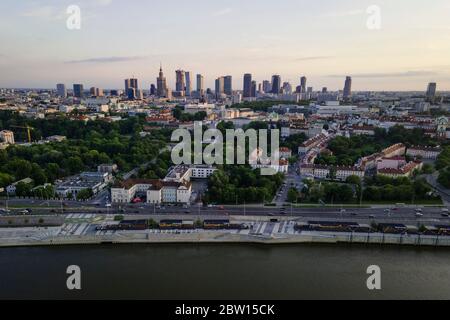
[292,195]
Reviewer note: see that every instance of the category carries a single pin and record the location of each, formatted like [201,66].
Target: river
[224,272]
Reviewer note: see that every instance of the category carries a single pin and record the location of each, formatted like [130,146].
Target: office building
[220,87]
[253,91]
[303,85]
[200,84]
[152,90]
[276,84]
[348,88]
[228,85]
[188,87]
[247,85]
[431,91]
[78,91]
[267,86]
[61,90]
[180,84]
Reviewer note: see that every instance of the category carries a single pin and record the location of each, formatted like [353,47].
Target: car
[419,214]
[445,215]
[354,214]
[187,212]
[372,216]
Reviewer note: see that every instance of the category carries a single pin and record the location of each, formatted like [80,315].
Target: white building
[424,152]
[342,173]
[156,191]
[7,136]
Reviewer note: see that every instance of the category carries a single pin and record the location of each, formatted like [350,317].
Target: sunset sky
[324,40]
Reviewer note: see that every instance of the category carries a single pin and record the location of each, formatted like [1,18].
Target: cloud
[311,58]
[106,60]
[339,14]
[222,12]
[416,73]
[103,3]
[45,12]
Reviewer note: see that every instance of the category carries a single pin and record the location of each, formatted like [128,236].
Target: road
[292,180]
[364,215]
[444,193]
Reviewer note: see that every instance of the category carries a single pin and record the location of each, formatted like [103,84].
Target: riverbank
[227,238]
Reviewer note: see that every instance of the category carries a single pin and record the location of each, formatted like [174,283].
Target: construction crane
[28,128]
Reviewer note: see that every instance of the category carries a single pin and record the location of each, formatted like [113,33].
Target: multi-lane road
[430,215]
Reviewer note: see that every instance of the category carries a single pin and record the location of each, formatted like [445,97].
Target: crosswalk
[79,228]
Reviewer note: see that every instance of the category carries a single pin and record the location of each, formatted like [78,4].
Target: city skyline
[325,45]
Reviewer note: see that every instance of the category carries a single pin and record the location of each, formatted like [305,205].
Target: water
[225,272]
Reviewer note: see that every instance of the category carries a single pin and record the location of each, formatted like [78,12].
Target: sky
[324,40]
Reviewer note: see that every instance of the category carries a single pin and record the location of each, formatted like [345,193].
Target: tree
[23,189]
[444,178]
[292,195]
[5,180]
[428,168]
[85,194]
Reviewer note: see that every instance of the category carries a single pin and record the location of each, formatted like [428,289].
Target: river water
[224,272]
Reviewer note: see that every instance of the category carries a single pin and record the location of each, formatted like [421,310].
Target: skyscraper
[134,83]
[61,90]
[303,84]
[267,86]
[188,83]
[348,88]
[152,90]
[180,85]
[161,83]
[431,91]
[127,85]
[131,83]
[131,93]
[200,84]
[220,87]
[253,92]
[287,88]
[228,85]
[247,85]
[276,84]
[78,91]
